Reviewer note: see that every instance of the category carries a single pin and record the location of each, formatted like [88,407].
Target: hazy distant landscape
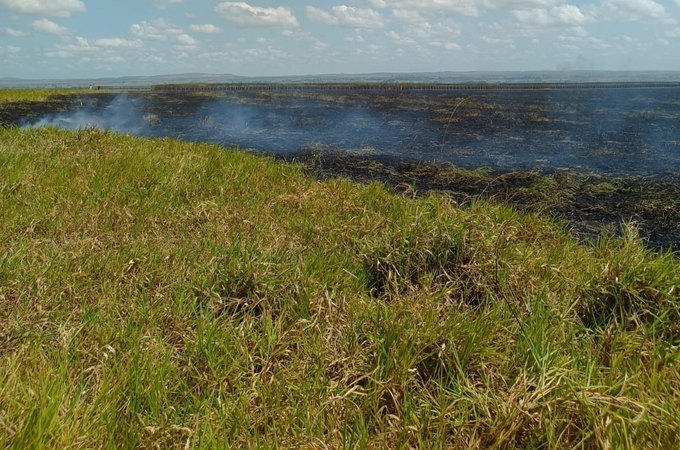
[433,77]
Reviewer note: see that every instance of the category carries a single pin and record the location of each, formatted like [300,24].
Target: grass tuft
[421,254]
[633,287]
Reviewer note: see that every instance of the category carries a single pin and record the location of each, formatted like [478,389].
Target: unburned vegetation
[155,293]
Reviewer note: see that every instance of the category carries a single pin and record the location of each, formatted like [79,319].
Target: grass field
[159,294]
[34,95]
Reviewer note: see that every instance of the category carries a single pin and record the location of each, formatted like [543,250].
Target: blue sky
[92,38]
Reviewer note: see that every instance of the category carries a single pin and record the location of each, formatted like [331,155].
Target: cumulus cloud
[185,43]
[463,7]
[347,16]
[78,44]
[49,27]
[71,47]
[407,10]
[206,28]
[408,15]
[561,15]
[245,15]
[521,4]
[15,33]
[60,8]
[78,49]
[635,10]
[305,36]
[438,35]
[319,15]
[186,40]
[119,43]
[156,30]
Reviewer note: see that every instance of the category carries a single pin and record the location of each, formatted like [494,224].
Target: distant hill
[423,77]
[121,82]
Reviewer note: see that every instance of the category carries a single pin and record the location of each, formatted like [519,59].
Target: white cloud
[400,39]
[320,46]
[521,4]
[446,45]
[561,15]
[157,30]
[319,15]
[80,50]
[60,8]
[71,47]
[305,36]
[347,16]
[79,44]
[297,34]
[492,40]
[15,33]
[408,15]
[119,43]
[635,10]
[245,15]
[463,7]
[206,28]
[438,35]
[674,33]
[49,27]
[185,43]
[186,40]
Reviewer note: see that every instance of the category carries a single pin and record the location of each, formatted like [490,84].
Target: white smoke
[122,115]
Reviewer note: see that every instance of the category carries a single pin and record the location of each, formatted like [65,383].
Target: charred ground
[538,149]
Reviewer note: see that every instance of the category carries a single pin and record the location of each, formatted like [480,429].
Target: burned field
[157,293]
[594,157]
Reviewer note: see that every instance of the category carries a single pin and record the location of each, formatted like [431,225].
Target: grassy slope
[154,292]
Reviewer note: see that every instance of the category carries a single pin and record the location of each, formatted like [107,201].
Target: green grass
[159,294]
[35,95]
